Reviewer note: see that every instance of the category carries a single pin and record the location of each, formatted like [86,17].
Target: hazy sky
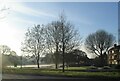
[87,17]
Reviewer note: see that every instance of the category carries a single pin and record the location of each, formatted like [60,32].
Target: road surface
[18,77]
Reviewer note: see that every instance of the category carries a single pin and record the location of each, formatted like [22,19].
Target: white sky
[10,35]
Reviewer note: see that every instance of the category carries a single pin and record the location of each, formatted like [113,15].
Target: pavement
[20,77]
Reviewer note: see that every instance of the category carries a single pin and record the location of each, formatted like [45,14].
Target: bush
[117,67]
[106,67]
[15,65]
[92,67]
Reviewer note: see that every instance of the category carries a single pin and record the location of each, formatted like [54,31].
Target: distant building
[114,55]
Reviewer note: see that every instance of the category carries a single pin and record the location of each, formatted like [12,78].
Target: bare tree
[99,42]
[69,37]
[63,37]
[3,11]
[5,50]
[53,38]
[8,56]
[34,42]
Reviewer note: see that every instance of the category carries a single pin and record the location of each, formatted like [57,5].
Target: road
[18,77]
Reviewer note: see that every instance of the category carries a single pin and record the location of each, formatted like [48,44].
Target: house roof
[114,47]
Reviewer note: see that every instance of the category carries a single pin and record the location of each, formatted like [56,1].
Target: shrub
[106,67]
[117,67]
[92,67]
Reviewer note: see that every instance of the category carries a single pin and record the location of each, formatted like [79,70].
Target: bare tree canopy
[99,42]
[53,38]
[55,31]
[8,56]
[62,36]
[56,36]
[5,50]
[69,36]
[34,42]
[3,12]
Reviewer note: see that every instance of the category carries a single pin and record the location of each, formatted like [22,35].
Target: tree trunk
[56,57]
[38,60]
[63,48]
[38,64]
[63,57]
[56,63]
[101,58]
[21,61]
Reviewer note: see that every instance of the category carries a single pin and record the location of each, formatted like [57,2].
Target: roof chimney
[115,45]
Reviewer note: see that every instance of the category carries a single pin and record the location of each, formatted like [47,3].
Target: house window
[115,62]
[112,57]
[112,62]
[112,51]
[109,57]
[109,52]
[115,56]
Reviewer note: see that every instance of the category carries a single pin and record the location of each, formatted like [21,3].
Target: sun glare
[10,32]
[10,36]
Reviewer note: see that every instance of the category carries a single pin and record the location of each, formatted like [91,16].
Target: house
[114,55]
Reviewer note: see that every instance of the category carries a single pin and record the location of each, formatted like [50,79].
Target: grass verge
[59,72]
